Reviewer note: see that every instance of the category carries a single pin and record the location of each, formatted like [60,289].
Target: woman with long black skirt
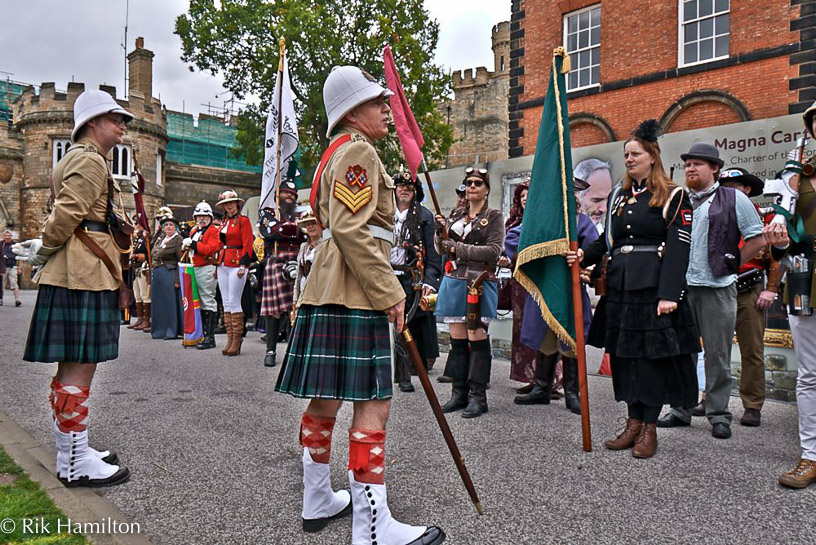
[644,322]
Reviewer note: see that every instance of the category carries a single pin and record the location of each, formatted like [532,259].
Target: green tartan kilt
[340,353]
[77,326]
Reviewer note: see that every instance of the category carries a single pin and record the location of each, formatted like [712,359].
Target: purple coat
[534,328]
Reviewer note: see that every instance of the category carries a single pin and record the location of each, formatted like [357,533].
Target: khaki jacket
[352,268]
[80,184]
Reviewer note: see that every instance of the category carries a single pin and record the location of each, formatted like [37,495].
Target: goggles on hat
[731,173]
[471,170]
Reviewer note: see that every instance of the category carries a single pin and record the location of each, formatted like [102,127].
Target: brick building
[478,112]
[182,162]
[688,63]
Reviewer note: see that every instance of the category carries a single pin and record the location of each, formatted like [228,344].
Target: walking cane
[419,366]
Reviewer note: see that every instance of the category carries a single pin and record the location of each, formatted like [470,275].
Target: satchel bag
[125,293]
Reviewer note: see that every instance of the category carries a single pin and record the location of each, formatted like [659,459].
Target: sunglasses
[471,170]
[116,119]
[475,183]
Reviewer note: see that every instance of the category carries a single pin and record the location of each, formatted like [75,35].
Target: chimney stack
[140,69]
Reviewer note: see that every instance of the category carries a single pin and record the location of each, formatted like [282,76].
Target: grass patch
[22,499]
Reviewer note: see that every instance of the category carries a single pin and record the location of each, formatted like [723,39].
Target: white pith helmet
[203,209]
[808,117]
[345,88]
[93,103]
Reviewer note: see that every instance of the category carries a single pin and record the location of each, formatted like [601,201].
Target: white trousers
[141,290]
[804,340]
[231,287]
[206,282]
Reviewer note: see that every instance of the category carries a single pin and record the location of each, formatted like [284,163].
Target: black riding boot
[457,368]
[402,367]
[208,320]
[571,395]
[481,362]
[272,329]
[542,383]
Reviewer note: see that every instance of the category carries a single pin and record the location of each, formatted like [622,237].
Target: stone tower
[501,48]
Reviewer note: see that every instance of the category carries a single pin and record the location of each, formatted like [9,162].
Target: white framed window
[582,40]
[121,162]
[703,31]
[59,146]
[159,168]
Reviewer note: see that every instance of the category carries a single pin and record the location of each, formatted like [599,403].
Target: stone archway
[589,129]
[718,105]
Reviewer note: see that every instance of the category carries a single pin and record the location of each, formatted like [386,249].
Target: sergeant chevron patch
[356,194]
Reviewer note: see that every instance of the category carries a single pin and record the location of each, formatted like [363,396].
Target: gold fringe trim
[532,289]
[542,249]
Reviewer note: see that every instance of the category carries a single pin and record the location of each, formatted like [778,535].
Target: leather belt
[630,248]
[376,231]
[96,226]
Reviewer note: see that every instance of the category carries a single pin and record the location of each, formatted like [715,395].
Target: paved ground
[214,458]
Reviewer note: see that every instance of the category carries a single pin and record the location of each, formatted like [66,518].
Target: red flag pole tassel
[580,350]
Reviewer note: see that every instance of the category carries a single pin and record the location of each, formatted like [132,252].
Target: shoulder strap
[314,196]
[609,209]
[674,192]
[100,253]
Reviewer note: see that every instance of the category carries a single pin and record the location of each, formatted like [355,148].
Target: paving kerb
[78,504]
[214,456]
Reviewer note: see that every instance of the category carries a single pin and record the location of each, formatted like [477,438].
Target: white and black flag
[285,118]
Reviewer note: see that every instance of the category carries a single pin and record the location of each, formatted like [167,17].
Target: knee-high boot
[237,334]
[272,331]
[228,325]
[571,395]
[140,315]
[146,322]
[208,318]
[456,368]
[481,362]
[542,383]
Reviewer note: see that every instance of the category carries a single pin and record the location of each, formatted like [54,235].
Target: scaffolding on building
[9,91]
[206,143]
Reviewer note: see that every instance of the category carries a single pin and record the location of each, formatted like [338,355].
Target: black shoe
[17,303]
[537,396]
[699,409]
[270,359]
[454,405]
[721,430]
[672,421]
[432,536]
[263,338]
[206,344]
[573,403]
[751,417]
[474,410]
[444,379]
[406,386]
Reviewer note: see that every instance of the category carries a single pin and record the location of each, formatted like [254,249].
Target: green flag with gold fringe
[550,221]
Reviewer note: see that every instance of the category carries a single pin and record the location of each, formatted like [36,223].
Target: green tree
[239,39]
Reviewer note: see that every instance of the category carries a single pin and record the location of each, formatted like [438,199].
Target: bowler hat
[743,177]
[704,151]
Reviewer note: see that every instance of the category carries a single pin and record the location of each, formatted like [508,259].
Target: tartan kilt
[77,326]
[336,352]
[277,293]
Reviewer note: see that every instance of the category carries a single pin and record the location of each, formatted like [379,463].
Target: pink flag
[407,129]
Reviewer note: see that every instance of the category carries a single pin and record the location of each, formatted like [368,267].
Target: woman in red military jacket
[236,255]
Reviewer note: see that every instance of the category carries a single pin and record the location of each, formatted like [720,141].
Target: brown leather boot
[626,439]
[146,323]
[139,314]
[800,476]
[234,348]
[228,325]
[646,443]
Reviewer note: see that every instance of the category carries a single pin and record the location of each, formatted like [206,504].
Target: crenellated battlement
[471,78]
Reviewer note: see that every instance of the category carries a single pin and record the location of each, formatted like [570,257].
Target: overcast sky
[81,40]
